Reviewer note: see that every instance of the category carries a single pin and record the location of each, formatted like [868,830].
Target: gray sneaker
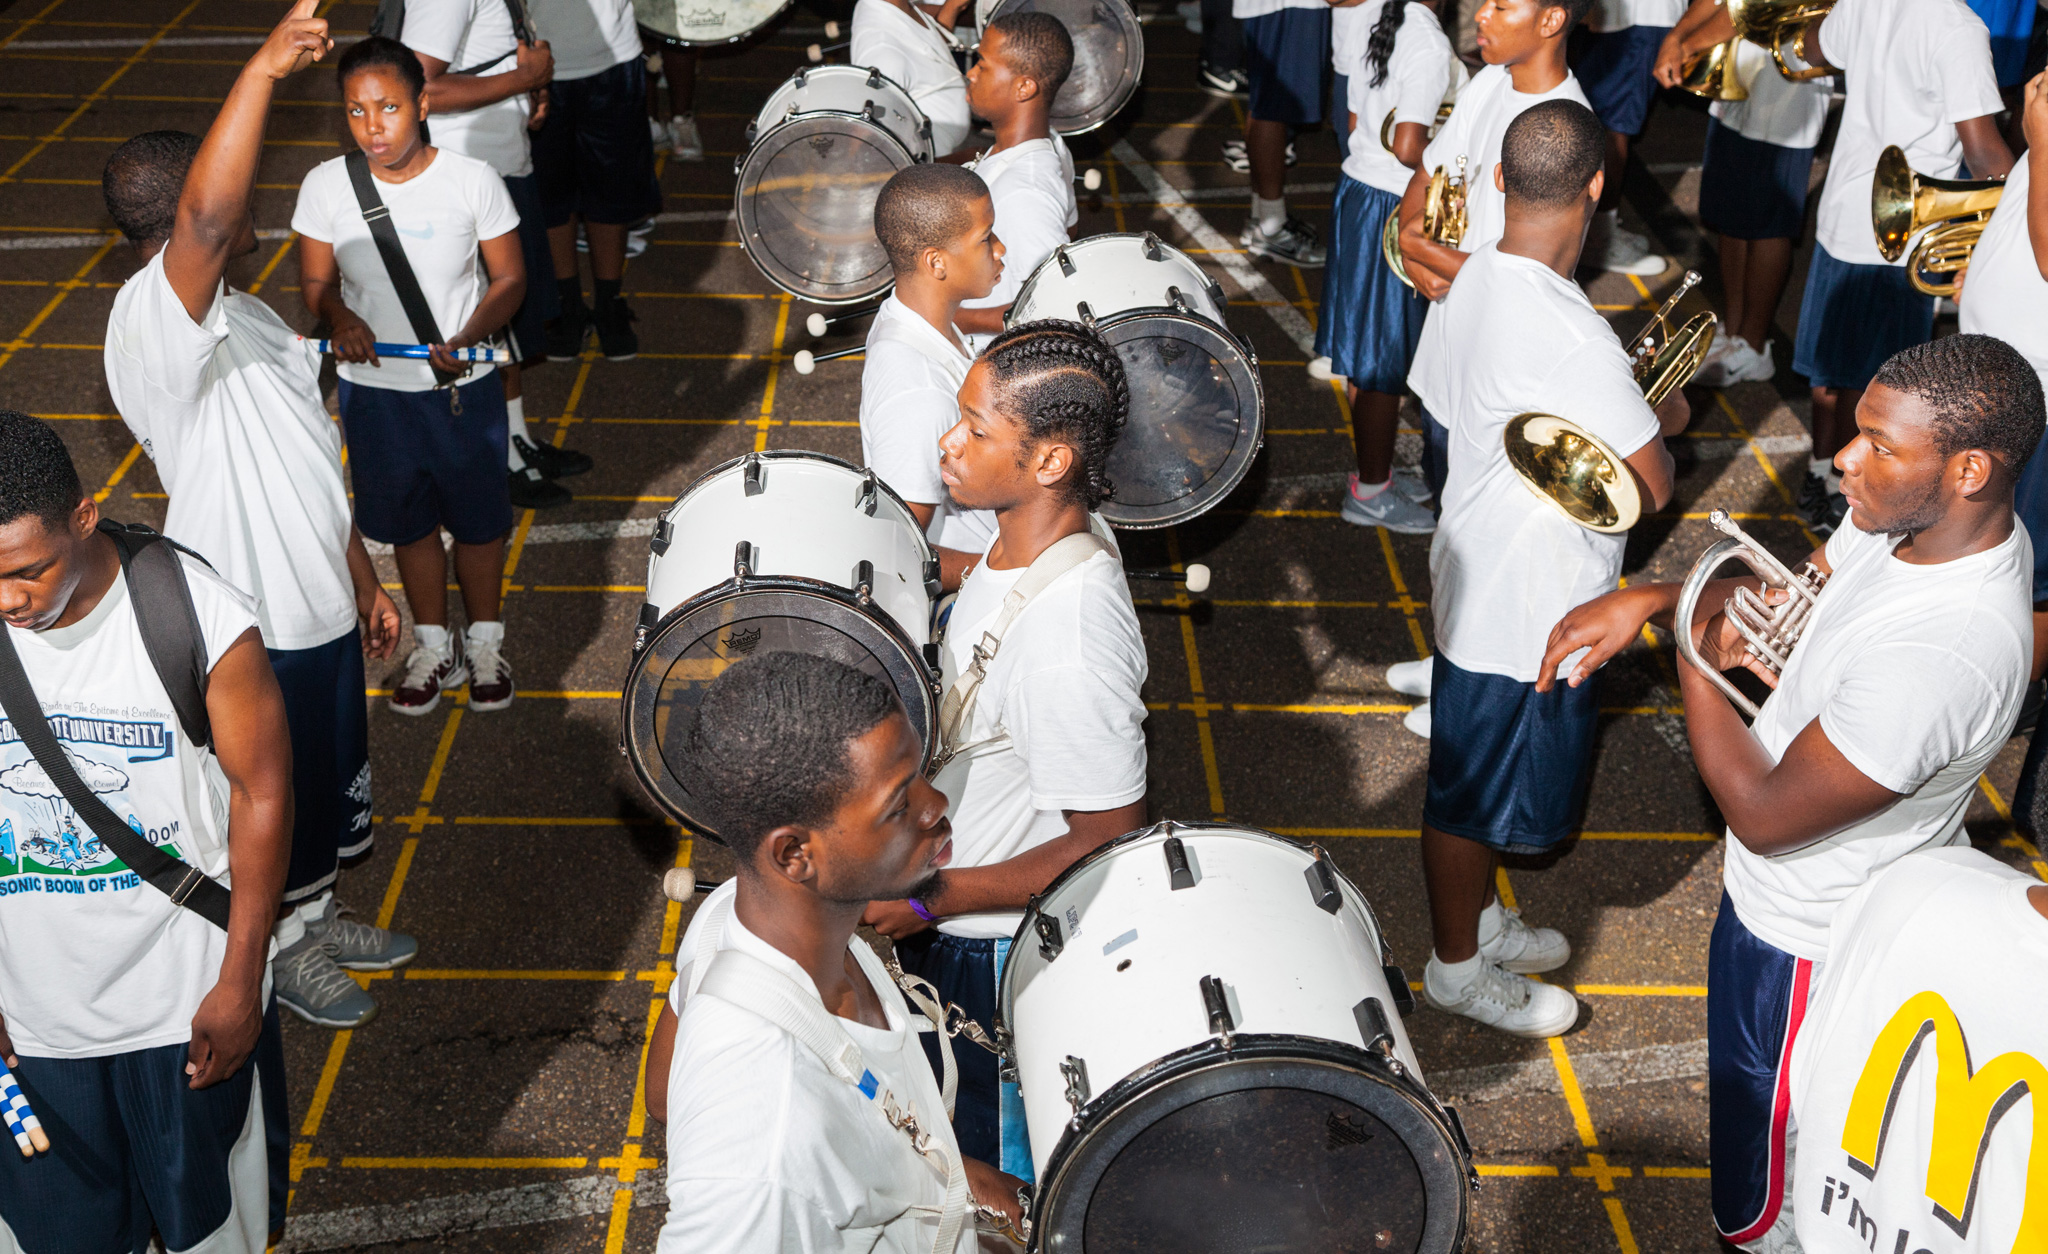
[311,986]
[358,946]
[1294,243]
[1389,509]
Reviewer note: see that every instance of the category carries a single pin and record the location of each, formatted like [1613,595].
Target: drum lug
[1217,1003]
[802,75]
[1154,250]
[1178,300]
[867,110]
[650,615]
[864,582]
[1066,263]
[1086,314]
[865,496]
[1322,884]
[752,130]
[1216,295]
[751,475]
[1178,873]
[1373,1028]
[1050,939]
[931,656]
[1075,1072]
[1397,983]
[875,78]
[924,131]
[931,581]
[664,531]
[743,560]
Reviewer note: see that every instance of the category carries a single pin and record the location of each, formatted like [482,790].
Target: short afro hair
[771,744]
[1982,392]
[1574,11]
[1551,152]
[377,52]
[928,205]
[37,478]
[143,180]
[1061,381]
[1038,47]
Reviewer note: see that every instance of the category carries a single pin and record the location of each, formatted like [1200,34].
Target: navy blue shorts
[417,466]
[132,1148]
[1854,318]
[593,155]
[1340,114]
[1750,189]
[1436,456]
[1287,59]
[1508,765]
[2030,502]
[988,1114]
[1756,1002]
[1369,323]
[542,303]
[324,707]
[1613,68]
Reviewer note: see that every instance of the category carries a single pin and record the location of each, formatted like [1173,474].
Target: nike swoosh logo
[426,234]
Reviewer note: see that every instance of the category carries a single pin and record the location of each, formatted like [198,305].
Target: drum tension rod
[1218,1005]
[1179,874]
[1322,884]
[1075,1071]
[1374,1029]
[1050,939]
[742,560]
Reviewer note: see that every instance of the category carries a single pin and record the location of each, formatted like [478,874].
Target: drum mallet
[21,1121]
[1196,578]
[816,52]
[680,883]
[817,324]
[1091,179]
[421,351]
[806,361]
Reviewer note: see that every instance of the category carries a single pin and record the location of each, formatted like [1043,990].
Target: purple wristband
[917,907]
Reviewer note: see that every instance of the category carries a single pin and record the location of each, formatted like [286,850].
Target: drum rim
[675,41]
[832,69]
[745,219]
[1080,1147]
[863,473]
[1134,59]
[1235,467]
[1072,247]
[636,713]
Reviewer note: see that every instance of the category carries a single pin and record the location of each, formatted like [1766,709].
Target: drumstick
[817,53]
[1090,179]
[21,1121]
[681,884]
[817,324]
[806,361]
[422,351]
[1196,578]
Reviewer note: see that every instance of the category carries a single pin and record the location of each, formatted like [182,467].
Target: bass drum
[817,156]
[775,551]
[1109,56]
[1197,407]
[706,23]
[1208,1037]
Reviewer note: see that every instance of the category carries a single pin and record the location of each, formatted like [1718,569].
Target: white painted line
[177,41]
[438,1218]
[1222,251]
[695,215]
[557,533]
[31,243]
[1214,193]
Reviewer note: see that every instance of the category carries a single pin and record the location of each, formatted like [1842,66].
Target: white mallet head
[1092,179]
[816,53]
[1198,578]
[1319,370]
[804,362]
[831,30]
[679,883]
[815,324]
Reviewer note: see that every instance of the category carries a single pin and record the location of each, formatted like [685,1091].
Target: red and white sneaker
[490,675]
[428,672]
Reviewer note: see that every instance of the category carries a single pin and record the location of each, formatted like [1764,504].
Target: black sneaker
[1813,494]
[566,333]
[555,463]
[1225,83]
[533,490]
[615,334]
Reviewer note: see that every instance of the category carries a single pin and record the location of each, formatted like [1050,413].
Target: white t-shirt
[442,214]
[1421,71]
[1485,107]
[1242,9]
[1915,68]
[93,960]
[1066,686]
[467,33]
[909,397]
[1610,16]
[769,1153]
[1505,564]
[2005,294]
[1031,186]
[587,37]
[1778,111]
[1945,938]
[1916,675]
[229,409]
[915,53]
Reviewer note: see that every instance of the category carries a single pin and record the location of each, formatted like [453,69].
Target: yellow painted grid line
[99,93]
[767,418]
[629,1161]
[1205,736]
[2013,839]
[271,265]
[64,289]
[22,29]
[451,973]
[471,1164]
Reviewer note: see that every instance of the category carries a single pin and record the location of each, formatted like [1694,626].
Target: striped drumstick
[422,351]
[21,1121]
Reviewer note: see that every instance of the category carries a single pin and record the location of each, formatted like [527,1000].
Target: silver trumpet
[1771,630]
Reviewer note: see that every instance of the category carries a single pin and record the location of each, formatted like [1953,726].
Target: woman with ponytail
[1050,763]
[1393,59]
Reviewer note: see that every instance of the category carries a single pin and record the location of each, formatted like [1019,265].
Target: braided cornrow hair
[1060,381]
[1380,47]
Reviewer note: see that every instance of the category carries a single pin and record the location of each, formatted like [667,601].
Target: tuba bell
[1775,25]
[1711,74]
[1769,630]
[1665,360]
[1952,212]
[1443,219]
[1443,114]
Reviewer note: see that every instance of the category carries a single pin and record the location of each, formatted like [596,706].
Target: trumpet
[1443,219]
[1952,212]
[1770,631]
[1664,360]
[1443,114]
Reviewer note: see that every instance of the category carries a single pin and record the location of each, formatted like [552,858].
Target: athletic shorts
[1436,457]
[1340,114]
[988,1113]
[1287,59]
[593,155]
[1613,67]
[1854,317]
[1508,765]
[542,303]
[1756,1003]
[1369,323]
[2030,502]
[1750,189]
[324,707]
[133,1148]
[417,466]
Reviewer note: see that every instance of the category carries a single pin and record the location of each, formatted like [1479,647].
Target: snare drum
[1109,56]
[698,23]
[775,551]
[1197,408]
[1206,1030]
[818,154]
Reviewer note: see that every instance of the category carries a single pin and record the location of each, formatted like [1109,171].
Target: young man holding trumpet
[1906,682]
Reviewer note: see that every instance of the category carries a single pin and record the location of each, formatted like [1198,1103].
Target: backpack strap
[389,20]
[168,620]
[377,216]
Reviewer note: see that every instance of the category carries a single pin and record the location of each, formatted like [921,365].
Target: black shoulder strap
[522,33]
[389,20]
[378,218]
[181,882]
[167,618]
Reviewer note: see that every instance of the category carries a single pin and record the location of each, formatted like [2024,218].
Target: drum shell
[713,24]
[1109,56]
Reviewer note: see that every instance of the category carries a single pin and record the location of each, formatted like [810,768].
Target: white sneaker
[490,675]
[1639,242]
[684,141]
[1738,364]
[1190,13]
[1319,370]
[1417,720]
[1514,1004]
[1623,255]
[1388,509]
[1411,678]
[1518,947]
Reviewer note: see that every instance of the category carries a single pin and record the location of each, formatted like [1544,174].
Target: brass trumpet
[1769,630]
[1665,360]
[1443,114]
[1952,212]
[1443,219]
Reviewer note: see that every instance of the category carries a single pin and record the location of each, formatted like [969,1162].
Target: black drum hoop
[1105,1126]
[1134,63]
[677,41]
[747,177]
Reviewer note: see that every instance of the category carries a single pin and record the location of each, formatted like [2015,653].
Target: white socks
[1825,468]
[1452,977]
[291,929]
[1492,921]
[427,636]
[515,423]
[485,633]
[1363,491]
[1271,215]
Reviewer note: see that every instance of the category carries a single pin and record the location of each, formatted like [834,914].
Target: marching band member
[1906,682]
[1287,65]
[1024,58]
[1047,761]
[1617,52]
[913,44]
[1510,755]
[938,226]
[1369,322]
[813,771]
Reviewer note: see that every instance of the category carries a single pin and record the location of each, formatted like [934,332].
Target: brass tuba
[1711,74]
[1952,212]
[1774,25]
[1443,219]
[1770,630]
[1665,360]
[1443,114]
